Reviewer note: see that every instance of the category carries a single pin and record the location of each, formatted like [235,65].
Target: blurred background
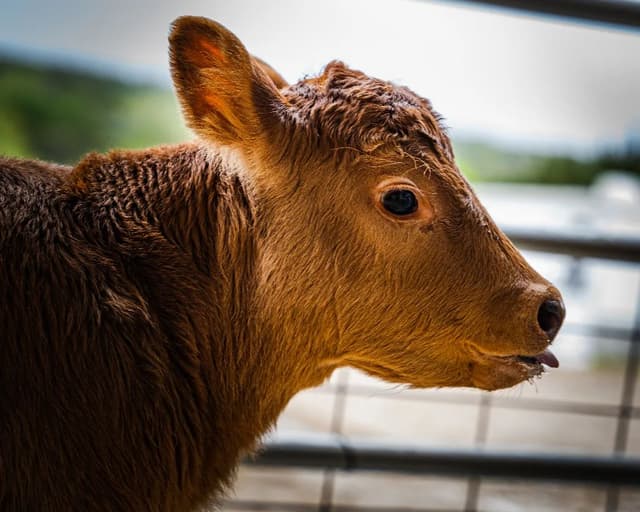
[544,113]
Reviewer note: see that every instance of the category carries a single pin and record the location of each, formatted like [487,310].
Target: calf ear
[226,96]
[276,77]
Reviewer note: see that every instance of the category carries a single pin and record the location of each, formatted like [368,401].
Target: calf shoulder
[113,329]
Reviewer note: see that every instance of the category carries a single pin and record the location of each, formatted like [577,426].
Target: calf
[159,308]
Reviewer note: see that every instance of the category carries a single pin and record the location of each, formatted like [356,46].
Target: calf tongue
[548,358]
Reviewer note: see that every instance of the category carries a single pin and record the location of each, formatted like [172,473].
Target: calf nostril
[550,317]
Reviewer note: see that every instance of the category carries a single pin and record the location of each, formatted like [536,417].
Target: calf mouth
[499,371]
[547,358]
[534,365]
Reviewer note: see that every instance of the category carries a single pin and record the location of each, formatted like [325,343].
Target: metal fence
[613,471]
[617,13]
[341,454]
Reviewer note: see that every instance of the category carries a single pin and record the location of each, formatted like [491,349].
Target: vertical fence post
[482,428]
[337,422]
[626,403]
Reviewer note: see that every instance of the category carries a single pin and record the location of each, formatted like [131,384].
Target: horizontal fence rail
[338,453]
[616,248]
[613,12]
[341,454]
[280,506]
[497,401]
[616,470]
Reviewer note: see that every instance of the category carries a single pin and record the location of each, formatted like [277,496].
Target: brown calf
[159,308]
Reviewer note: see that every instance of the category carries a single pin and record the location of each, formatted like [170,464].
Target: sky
[522,80]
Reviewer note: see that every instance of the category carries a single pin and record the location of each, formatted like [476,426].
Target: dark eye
[400,202]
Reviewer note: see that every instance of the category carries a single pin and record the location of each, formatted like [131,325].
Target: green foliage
[626,160]
[563,169]
[61,114]
[484,162]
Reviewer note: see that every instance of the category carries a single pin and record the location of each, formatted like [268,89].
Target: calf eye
[400,202]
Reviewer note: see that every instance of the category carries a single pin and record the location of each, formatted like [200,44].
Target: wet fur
[124,282]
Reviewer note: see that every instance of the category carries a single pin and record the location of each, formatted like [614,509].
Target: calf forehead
[345,107]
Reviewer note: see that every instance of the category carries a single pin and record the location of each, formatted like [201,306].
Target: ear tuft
[276,77]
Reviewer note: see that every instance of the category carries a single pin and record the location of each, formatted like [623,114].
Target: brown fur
[159,308]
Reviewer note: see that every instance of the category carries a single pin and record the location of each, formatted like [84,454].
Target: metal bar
[346,455]
[613,12]
[503,402]
[599,331]
[626,404]
[612,499]
[628,388]
[305,507]
[482,430]
[586,246]
[269,505]
[337,422]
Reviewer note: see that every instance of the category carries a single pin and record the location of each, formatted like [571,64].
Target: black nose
[550,317]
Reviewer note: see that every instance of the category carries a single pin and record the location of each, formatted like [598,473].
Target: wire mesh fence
[345,470]
[325,476]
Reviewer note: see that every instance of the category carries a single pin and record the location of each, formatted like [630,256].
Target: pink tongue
[548,358]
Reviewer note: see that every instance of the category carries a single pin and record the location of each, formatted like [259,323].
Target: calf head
[374,251]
